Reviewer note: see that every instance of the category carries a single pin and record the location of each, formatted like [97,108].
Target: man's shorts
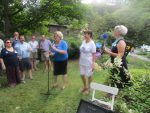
[25,64]
[33,55]
[45,56]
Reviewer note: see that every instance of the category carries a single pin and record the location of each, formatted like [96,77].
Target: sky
[90,1]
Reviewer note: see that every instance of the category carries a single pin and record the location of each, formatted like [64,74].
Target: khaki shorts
[33,55]
[45,56]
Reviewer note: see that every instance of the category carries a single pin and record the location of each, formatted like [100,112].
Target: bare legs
[33,61]
[86,83]
[47,64]
[22,73]
[65,81]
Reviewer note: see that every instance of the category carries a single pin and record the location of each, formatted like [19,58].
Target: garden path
[140,57]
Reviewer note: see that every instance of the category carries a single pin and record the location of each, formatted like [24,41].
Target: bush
[148,55]
[135,98]
[74,44]
[142,53]
[73,51]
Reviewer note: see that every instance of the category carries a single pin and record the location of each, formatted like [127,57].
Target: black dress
[12,66]
[124,78]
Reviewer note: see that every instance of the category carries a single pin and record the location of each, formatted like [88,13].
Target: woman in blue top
[60,58]
[10,58]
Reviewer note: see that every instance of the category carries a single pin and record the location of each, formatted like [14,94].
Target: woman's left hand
[106,50]
[54,48]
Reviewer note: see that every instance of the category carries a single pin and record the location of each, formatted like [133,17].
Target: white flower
[130,111]
[17,107]
[97,67]
[117,62]
[108,64]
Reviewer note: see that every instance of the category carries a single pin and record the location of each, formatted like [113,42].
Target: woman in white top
[34,45]
[87,59]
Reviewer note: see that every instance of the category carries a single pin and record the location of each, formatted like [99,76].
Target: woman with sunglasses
[10,58]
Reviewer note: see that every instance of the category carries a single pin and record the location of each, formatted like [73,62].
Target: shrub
[74,44]
[73,51]
[142,53]
[136,97]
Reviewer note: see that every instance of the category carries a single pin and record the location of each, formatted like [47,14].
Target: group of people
[19,56]
[88,57]
[16,58]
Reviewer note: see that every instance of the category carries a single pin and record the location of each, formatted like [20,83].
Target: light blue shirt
[23,49]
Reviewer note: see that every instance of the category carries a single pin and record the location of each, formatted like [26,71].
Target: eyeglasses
[8,42]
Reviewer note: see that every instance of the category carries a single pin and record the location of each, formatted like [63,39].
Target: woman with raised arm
[118,49]
[60,58]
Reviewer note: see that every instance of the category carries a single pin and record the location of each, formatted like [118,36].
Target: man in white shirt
[34,46]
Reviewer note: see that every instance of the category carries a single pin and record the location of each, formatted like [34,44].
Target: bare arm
[94,57]
[61,51]
[121,49]
[58,50]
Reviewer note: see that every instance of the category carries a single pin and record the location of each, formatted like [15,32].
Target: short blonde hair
[122,29]
[59,34]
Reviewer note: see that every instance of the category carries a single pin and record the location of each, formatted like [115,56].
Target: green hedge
[74,44]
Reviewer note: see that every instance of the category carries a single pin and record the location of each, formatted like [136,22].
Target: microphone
[104,37]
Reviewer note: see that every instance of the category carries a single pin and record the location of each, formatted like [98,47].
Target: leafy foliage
[19,15]
[134,99]
[137,96]
[73,50]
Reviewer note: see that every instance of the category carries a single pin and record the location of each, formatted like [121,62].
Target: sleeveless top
[114,49]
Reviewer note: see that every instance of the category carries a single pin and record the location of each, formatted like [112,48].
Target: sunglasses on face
[8,42]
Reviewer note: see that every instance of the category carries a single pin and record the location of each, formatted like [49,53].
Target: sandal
[83,90]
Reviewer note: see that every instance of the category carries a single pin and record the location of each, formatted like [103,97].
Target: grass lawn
[28,97]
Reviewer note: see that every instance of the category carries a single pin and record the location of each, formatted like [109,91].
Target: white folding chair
[111,90]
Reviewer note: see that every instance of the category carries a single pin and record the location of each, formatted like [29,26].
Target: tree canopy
[30,14]
[34,15]
[133,14]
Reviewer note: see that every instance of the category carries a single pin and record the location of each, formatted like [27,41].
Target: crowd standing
[17,56]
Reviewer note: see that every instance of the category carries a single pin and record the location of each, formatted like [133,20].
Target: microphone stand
[48,88]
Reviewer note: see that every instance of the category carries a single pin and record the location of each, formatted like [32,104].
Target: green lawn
[29,97]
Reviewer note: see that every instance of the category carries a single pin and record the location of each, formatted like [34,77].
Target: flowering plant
[97,67]
[116,69]
[117,62]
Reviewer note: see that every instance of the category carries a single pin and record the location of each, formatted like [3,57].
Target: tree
[17,15]
[136,17]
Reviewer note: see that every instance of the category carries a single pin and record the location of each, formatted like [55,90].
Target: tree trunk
[7,25]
